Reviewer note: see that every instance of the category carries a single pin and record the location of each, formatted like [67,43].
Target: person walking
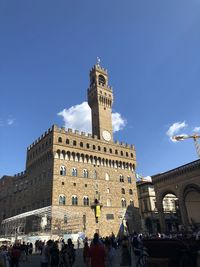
[97,253]
[54,255]
[125,253]
[15,254]
[86,254]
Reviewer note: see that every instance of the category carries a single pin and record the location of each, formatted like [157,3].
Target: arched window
[127,154]
[129,179]
[110,150]
[104,149]
[123,203]
[85,173]
[59,139]
[74,172]
[130,191]
[107,177]
[88,145]
[108,190]
[81,144]
[131,155]
[74,143]
[67,141]
[65,219]
[95,174]
[94,147]
[121,178]
[61,200]
[121,153]
[108,202]
[99,148]
[116,152]
[102,80]
[62,170]
[86,201]
[74,200]
[123,191]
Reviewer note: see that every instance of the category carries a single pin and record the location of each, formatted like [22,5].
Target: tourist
[97,253]
[125,253]
[86,254]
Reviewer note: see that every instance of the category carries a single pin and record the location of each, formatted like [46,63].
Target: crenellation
[83,133]
[77,132]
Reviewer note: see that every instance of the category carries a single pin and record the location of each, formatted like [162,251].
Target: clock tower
[100,100]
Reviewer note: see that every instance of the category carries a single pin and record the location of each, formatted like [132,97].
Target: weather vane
[98,61]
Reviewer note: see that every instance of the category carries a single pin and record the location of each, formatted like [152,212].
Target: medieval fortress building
[75,182]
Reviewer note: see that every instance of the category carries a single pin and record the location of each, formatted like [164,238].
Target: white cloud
[10,121]
[196,129]
[118,122]
[7,122]
[79,117]
[175,128]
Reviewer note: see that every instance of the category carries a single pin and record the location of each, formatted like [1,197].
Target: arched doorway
[192,205]
[171,212]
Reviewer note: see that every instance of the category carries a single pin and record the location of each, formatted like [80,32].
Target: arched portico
[184,183]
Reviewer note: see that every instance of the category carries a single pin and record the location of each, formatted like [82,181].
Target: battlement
[98,67]
[45,134]
[88,136]
[20,174]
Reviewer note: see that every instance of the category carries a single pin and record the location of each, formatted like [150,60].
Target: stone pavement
[34,260]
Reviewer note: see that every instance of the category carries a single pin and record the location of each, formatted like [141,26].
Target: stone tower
[100,100]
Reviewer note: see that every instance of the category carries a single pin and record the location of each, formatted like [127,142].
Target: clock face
[106,135]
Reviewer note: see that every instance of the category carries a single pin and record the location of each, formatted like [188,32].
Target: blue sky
[150,49]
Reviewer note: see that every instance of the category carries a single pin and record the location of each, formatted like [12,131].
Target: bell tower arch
[100,100]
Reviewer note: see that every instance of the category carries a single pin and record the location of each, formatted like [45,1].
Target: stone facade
[184,183]
[70,171]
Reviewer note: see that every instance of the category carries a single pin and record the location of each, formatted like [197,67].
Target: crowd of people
[98,252]
[11,255]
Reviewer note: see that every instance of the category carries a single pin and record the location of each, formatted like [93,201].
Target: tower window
[127,154]
[104,149]
[81,144]
[110,150]
[123,203]
[85,173]
[107,177]
[67,141]
[121,153]
[59,140]
[94,147]
[102,80]
[61,200]
[116,152]
[129,179]
[108,202]
[62,170]
[74,200]
[86,201]
[74,143]
[121,179]
[99,148]
[123,191]
[131,155]
[74,172]
[130,191]
[88,145]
